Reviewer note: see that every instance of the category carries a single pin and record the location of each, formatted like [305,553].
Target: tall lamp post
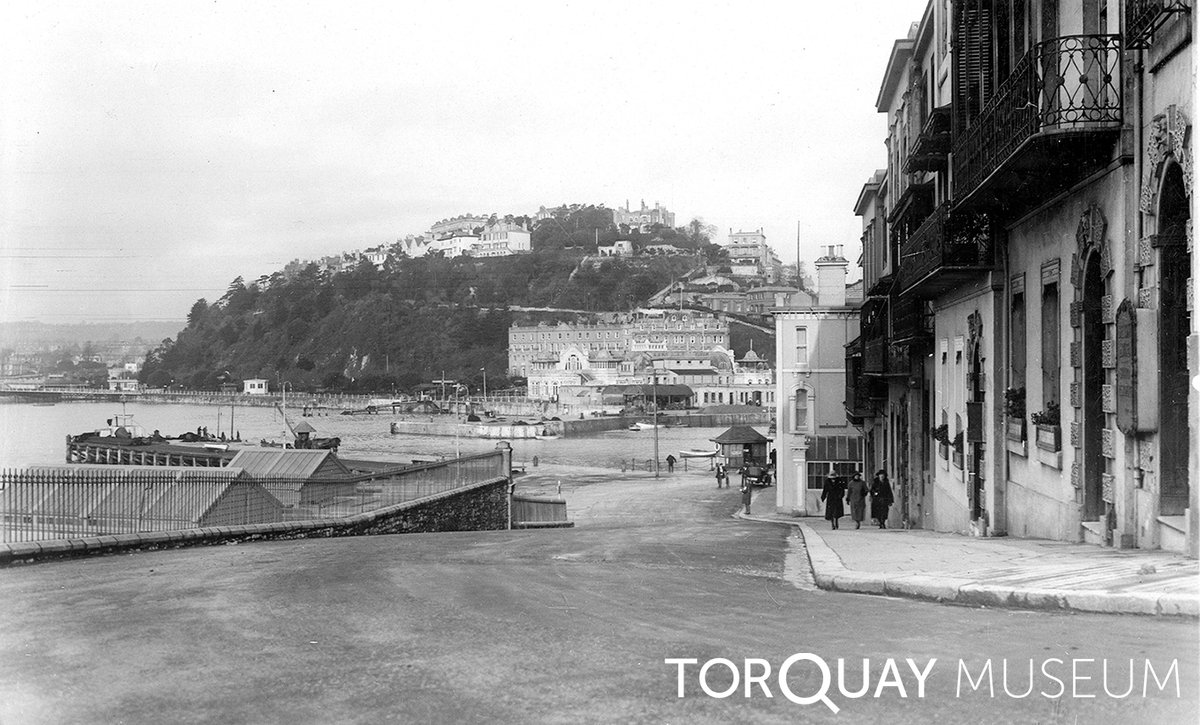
[654,395]
[484,371]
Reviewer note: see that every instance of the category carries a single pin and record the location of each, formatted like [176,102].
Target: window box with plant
[1014,410]
[1049,432]
[941,434]
[957,459]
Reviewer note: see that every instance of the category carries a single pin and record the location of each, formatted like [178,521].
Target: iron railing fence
[1144,17]
[945,240]
[75,501]
[909,321]
[1067,83]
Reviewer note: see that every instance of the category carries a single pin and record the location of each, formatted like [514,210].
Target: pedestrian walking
[856,496]
[831,494]
[722,475]
[670,463]
[881,497]
[746,495]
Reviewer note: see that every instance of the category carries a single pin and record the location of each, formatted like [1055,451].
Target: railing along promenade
[68,502]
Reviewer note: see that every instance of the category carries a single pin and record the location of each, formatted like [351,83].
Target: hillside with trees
[367,328]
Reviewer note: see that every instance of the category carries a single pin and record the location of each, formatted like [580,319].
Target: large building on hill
[467,223]
[751,256]
[643,218]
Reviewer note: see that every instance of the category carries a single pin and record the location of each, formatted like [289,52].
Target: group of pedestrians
[855,493]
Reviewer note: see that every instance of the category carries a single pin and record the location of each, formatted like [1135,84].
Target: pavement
[990,572]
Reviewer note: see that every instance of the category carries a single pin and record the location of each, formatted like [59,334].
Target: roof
[166,496]
[304,427]
[663,390]
[901,50]
[290,463]
[740,434]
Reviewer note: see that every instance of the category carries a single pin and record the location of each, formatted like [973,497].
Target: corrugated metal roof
[290,463]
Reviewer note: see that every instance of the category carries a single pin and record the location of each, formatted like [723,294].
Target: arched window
[800,418]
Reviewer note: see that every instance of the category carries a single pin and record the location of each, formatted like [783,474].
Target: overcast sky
[154,151]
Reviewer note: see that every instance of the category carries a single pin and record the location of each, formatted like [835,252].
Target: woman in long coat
[881,498]
[856,496]
[831,494]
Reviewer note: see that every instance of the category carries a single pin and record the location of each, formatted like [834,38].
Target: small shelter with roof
[297,476]
[742,445]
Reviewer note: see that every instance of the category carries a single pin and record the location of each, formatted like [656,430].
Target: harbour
[33,435]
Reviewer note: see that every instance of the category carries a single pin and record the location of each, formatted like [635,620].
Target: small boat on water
[695,453]
[640,425]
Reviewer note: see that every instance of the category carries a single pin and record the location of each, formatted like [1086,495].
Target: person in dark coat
[831,494]
[670,464]
[722,475]
[881,498]
[856,496]
[746,494]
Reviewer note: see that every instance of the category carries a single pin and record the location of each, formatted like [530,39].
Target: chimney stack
[831,278]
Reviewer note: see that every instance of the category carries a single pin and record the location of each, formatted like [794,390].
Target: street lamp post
[484,371]
[654,395]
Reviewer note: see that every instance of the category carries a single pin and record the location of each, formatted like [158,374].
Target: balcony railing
[909,323]
[932,144]
[875,356]
[1065,84]
[1144,17]
[945,250]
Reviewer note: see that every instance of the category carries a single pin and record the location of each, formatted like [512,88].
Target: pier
[152,454]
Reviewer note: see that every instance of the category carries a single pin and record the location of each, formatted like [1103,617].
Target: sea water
[35,435]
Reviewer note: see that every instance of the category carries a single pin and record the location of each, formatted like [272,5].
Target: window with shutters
[1050,345]
[1016,352]
[972,60]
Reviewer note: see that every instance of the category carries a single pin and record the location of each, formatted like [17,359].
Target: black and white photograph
[598,362]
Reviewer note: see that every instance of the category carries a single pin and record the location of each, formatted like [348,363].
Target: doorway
[1175,322]
[1092,459]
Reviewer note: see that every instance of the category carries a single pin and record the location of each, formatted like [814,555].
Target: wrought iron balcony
[1144,17]
[946,250]
[1050,123]
[910,325]
[932,145]
[875,356]
[862,391]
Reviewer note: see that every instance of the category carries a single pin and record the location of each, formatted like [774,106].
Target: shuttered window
[972,60]
[1050,344]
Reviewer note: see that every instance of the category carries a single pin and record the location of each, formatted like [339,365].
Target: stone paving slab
[995,572]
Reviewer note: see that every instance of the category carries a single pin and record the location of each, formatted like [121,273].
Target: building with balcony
[1028,310]
[814,439]
[751,256]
